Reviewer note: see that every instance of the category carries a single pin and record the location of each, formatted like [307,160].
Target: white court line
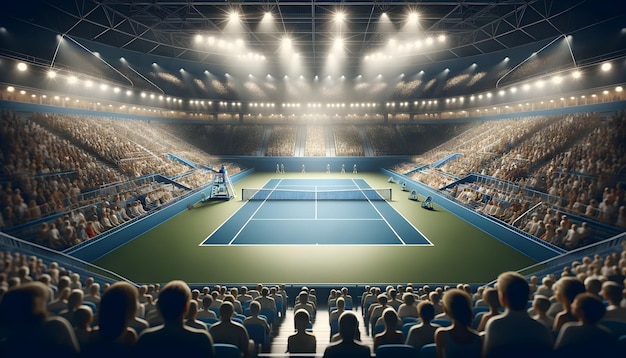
[316,219]
[254,213]
[381,215]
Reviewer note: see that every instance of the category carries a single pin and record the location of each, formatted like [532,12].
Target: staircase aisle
[321,330]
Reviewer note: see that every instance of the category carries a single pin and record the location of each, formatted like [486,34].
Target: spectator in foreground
[391,335]
[347,346]
[174,338]
[586,338]
[514,333]
[229,332]
[458,340]
[26,330]
[423,333]
[567,288]
[302,341]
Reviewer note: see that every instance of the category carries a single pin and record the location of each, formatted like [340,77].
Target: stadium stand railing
[556,264]
[73,264]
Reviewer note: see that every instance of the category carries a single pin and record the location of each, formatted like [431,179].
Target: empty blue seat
[428,351]
[257,333]
[223,350]
[396,351]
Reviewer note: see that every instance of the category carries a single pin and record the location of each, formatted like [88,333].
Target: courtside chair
[223,350]
[396,351]
[428,351]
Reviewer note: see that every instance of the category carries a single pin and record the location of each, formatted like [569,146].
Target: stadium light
[340,16]
[606,67]
[52,74]
[22,67]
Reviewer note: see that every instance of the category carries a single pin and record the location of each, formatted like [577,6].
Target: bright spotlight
[22,67]
[11,89]
[429,41]
[618,89]
[88,83]
[52,74]
[557,79]
[233,16]
[413,16]
[72,79]
[286,41]
[576,74]
[340,16]
[198,38]
[268,16]
[441,38]
[606,66]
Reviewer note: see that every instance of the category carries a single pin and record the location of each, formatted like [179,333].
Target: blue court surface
[310,217]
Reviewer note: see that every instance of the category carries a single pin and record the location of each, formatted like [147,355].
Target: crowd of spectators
[578,308]
[569,162]
[315,141]
[384,139]
[347,141]
[92,171]
[282,141]
[246,139]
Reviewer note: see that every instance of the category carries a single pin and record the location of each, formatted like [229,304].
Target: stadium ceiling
[169,28]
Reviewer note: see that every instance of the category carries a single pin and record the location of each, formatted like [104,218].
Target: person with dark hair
[567,288]
[114,337]
[390,335]
[174,338]
[229,332]
[423,333]
[458,340]
[514,333]
[586,337]
[302,341]
[26,330]
[347,346]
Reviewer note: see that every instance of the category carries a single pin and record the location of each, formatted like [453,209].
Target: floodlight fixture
[340,16]
[606,66]
[22,67]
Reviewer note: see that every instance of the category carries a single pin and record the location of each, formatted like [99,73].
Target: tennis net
[318,194]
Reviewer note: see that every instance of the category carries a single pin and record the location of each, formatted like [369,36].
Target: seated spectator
[336,313]
[541,305]
[302,341]
[391,335]
[114,337]
[347,346]
[26,330]
[458,340]
[423,333]
[192,315]
[612,293]
[408,308]
[229,332]
[567,288]
[514,333]
[174,338]
[255,309]
[83,318]
[74,301]
[303,303]
[586,337]
[490,295]
[206,312]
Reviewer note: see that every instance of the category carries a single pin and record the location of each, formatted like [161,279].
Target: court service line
[254,213]
[380,214]
[316,219]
